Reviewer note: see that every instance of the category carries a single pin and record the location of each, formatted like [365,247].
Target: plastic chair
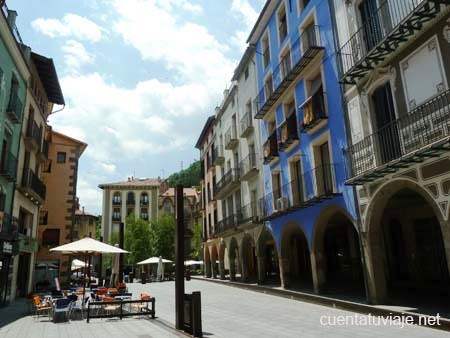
[61,306]
[40,307]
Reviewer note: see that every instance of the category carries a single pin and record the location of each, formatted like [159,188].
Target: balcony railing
[249,213]
[288,132]
[312,187]
[144,202]
[8,167]
[231,138]
[382,33]
[219,157]
[131,201]
[9,228]
[15,108]
[302,53]
[246,124]
[420,134]
[228,223]
[44,150]
[271,148]
[116,202]
[33,136]
[248,166]
[227,182]
[32,183]
[116,218]
[314,111]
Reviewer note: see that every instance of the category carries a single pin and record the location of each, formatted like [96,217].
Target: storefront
[6,271]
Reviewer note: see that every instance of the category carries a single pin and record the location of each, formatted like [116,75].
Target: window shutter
[354,115]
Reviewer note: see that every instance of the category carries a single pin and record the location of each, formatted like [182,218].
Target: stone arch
[221,256]
[336,254]
[214,259]
[268,260]
[295,269]
[235,259]
[249,261]
[207,261]
[400,219]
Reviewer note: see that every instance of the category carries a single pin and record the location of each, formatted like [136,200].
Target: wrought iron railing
[9,228]
[421,127]
[246,123]
[31,181]
[250,212]
[247,164]
[117,201]
[15,108]
[230,136]
[271,148]
[227,223]
[34,132]
[310,38]
[378,25]
[314,110]
[288,131]
[116,218]
[45,148]
[144,202]
[230,176]
[8,167]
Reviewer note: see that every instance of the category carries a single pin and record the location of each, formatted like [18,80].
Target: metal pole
[179,259]
[121,238]
[100,264]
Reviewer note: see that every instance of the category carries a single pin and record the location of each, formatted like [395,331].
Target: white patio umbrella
[78,264]
[192,262]
[160,271]
[87,246]
[154,260]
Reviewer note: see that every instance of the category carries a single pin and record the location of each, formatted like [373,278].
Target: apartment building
[57,214]
[394,69]
[14,75]
[84,224]
[139,196]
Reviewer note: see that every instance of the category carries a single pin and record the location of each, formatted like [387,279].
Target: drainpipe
[349,141]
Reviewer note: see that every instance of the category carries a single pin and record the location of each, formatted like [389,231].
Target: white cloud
[75,55]
[243,10]
[90,196]
[108,167]
[186,48]
[71,25]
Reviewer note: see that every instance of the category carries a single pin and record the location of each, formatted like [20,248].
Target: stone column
[213,269]
[261,270]
[222,269]
[208,270]
[232,269]
[318,269]
[284,272]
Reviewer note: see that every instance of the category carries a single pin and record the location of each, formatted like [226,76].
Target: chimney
[83,210]
[129,179]
[12,15]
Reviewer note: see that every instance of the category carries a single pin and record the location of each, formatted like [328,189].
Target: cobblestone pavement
[234,312]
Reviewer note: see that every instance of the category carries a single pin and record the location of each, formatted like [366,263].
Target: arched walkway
[295,258]
[268,269]
[234,257]
[405,249]
[207,262]
[222,260]
[214,262]
[249,262]
[337,255]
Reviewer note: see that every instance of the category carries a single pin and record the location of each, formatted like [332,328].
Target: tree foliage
[189,177]
[138,239]
[196,241]
[163,237]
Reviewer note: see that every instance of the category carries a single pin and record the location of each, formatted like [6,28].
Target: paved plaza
[227,312]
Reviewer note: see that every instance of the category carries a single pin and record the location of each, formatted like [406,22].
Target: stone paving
[227,312]
[234,312]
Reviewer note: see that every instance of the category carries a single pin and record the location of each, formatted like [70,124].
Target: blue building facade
[307,208]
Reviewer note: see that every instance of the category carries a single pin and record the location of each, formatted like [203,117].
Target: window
[285,64]
[268,87]
[144,214]
[167,206]
[43,217]
[282,24]
[50,237]
[266,51]
[91,221]
[303,4]
[117,198]
[130,211]
[276,186]
[61,157]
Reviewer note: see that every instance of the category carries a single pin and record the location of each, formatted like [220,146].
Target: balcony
[8,167]
[247,125]
[248,167]
[131,202]
[288,132]
[219,157]
[27,243]
[116,202]
[284,74]
[314,186]
[210,162]
[9,230]
[33,186]
[420,134]
[271,149]
[143,202]
[43,154]
[33,136]
[249,213]
[227,183]
[386,30]
[116,218]
[228,223]
[15,108]
[231,139]
[314,112]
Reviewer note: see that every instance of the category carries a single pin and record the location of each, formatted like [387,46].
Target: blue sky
[139,77]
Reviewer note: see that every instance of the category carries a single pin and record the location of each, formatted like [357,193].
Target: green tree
[138,239]
[98,227]
[196,241]
[163,237]
[189,177]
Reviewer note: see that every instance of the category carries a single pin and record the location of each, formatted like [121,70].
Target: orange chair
[112,291]
[41,307]
[110,307]
[145,296]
